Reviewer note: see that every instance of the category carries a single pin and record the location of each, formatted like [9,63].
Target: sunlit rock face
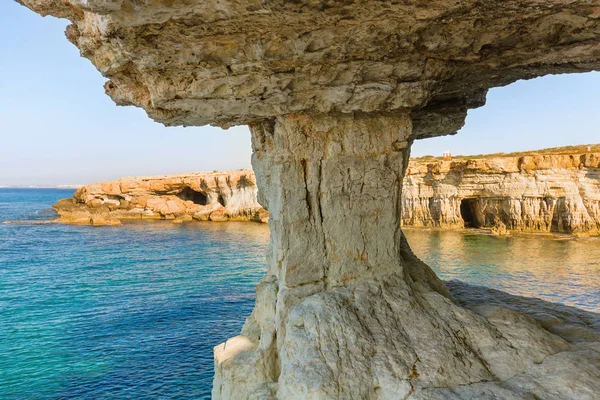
[209,196]
[531,193]
[334,93]
[231,62]
[557,190]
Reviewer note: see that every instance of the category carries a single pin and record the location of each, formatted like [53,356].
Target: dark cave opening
[557,216]
[221,200]
[190,194]
[468,214]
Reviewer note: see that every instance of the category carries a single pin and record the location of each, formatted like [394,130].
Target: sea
[134,311]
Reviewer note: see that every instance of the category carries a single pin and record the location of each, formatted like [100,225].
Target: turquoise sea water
[128,312]
[133,312]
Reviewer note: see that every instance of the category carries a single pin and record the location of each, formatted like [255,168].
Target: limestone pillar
[346,310]
[332,185]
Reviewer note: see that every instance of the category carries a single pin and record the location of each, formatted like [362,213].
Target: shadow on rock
[570,323]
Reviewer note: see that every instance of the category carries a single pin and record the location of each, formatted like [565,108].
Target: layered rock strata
[213,196]
[334,93]
[545,192]
[551,190]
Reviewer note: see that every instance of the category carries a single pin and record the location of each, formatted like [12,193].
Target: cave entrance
[190,194]
[557,223]
[468,214]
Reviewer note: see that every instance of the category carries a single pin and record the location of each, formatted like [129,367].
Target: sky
[57,127]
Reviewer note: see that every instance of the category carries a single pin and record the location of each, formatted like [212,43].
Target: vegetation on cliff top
[577,149]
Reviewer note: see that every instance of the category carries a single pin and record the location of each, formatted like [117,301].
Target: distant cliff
[213,196]
[552,190]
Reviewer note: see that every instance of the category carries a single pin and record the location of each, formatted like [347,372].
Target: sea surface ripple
[133,312]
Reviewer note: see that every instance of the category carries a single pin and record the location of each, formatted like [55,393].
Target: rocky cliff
[550,190]
[553,190]
[213,196]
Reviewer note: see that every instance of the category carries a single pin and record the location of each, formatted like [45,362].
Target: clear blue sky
[58,127]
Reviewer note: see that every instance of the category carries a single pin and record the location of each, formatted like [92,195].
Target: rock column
[346,310]
[333,187]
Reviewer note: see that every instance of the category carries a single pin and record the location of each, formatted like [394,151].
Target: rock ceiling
[229,62]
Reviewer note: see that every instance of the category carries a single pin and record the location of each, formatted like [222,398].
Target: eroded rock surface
[551,191]
[347,310]
[212,196]
[192,62]
[335,92]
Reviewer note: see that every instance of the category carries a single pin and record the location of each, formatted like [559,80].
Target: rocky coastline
[210,196]
[551,190]
[548,191]
[334,94]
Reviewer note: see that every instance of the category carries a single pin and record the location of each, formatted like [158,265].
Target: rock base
[381,340]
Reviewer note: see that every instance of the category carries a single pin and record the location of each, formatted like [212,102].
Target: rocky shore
[211,196]
[551,190]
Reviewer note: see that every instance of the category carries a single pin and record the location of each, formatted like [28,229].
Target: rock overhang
[334,91]
[224,63]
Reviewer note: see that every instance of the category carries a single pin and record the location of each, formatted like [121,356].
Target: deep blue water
[133,312]
[123,312]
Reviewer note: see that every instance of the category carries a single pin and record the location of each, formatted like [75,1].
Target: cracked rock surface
[335,92]
[227,62]
[546,192]
[347,311]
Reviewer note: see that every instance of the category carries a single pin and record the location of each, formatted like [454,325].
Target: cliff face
[215,196]
[550,192]
[530,193]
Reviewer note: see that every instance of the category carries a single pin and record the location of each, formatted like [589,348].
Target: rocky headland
[551,190]
[210,196]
